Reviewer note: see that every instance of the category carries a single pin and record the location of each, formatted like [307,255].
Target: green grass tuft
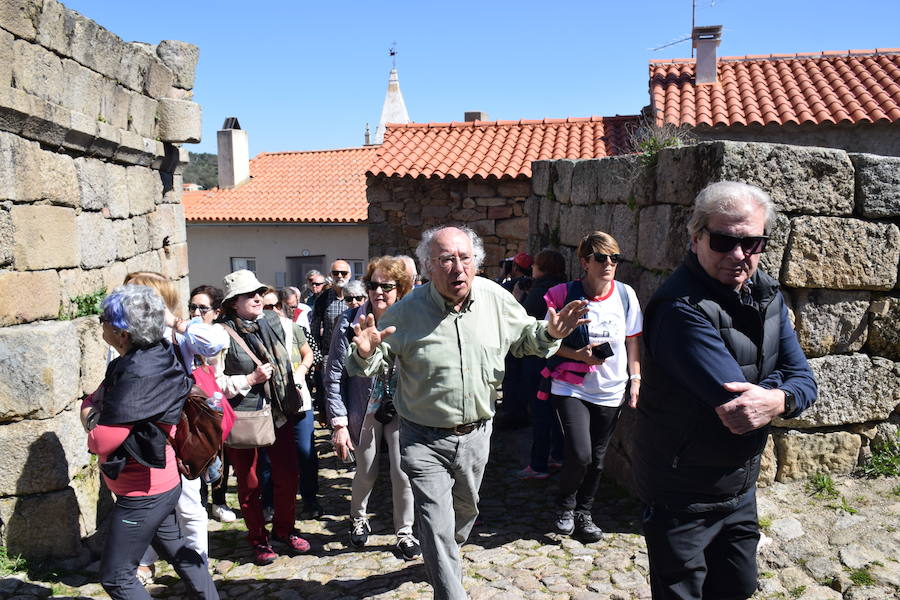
[10,564]
[862,577]
[821,485]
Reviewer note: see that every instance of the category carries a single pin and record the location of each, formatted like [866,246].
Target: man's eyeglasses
[602,258]
[350,299]
[374,285]
[340,273]
[753,244]
[447,260]
[269,306]
[316,283]
[201,307]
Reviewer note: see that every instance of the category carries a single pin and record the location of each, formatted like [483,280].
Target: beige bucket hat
[241,282]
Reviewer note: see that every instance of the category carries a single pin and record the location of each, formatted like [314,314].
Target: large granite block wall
[90,189]
[835,250]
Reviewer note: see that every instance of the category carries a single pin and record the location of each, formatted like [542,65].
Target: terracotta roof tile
[501,149]
[321,186]
[855,86]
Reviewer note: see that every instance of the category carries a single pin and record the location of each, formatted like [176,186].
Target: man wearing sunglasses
[721,361]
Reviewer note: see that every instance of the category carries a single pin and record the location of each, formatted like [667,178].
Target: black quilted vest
[683,457]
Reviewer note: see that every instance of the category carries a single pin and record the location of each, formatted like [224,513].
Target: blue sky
[302,76]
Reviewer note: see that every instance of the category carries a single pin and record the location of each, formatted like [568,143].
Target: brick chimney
[706,39]
[475,115]
[233,154]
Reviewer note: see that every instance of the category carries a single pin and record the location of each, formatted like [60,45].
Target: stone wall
[835,249]
[400,208]
[90,189]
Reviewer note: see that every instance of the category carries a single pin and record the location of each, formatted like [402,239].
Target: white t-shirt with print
[608,323]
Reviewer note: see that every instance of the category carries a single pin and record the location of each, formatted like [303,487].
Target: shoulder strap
[240,342]
[623,296]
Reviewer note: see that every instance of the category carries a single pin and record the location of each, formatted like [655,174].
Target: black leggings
[587,429]
[135,523]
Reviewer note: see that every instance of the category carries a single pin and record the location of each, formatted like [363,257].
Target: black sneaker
[565,522]
[359,532]
[585,529]
[408,546]
[313,509]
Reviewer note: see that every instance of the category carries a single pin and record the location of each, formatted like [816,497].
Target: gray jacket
[345,396]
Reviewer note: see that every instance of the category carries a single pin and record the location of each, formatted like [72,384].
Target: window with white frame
[243,262]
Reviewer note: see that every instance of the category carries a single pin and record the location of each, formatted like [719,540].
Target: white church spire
[394,109]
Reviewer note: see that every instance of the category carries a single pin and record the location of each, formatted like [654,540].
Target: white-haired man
[721,361]
[448,339]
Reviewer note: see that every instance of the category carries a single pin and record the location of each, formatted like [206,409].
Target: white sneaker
[222,513]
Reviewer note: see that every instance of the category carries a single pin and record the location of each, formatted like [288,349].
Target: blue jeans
[546,433]
[445,472]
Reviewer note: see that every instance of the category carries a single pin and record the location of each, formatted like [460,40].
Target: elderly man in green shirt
[448,340]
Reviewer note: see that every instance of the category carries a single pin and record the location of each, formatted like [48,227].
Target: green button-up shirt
[450,363]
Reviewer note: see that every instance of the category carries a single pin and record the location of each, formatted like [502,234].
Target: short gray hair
[723,197]
[423,250]
[138,310]
[355,288]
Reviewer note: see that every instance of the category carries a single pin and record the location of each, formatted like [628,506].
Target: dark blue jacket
[698,334]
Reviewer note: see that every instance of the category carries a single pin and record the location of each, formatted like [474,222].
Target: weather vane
[392,52]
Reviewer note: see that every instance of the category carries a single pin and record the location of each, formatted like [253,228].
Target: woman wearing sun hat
[248,387]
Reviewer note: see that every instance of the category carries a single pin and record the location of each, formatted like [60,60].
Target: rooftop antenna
[392,52]
[693,24]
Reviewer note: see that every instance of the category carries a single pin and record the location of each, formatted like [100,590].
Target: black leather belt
[465,429]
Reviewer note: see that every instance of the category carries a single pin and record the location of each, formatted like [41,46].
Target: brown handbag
[252,428]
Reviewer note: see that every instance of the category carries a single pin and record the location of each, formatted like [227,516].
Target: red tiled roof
[502,149]
[320,186]
[858,86]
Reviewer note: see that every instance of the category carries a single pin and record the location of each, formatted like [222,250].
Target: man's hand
[368,337]
[754,408]
[562,323]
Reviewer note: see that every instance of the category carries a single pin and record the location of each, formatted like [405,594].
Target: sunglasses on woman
[753,244]
[350,299]
[374,285]
[602,258]
[201,307]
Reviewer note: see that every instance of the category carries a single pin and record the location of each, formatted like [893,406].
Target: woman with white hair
[128,420]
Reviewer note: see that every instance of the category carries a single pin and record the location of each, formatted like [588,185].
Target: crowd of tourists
[387,362]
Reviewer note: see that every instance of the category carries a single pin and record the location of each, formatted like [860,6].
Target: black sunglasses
[350,299]
[269,306]
[316,283]
[374,285]
[201,307]
[719,242]
[601,258]
[340,273]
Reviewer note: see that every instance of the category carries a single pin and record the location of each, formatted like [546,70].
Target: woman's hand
[586,355]
[634,393]
[340,438]
[261,374]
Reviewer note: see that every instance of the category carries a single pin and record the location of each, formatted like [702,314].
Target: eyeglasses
[601,258]
[269,306]
[316,283]
[201,307]
[753,244]
[447,260]
[385,287]
[340,273]
[350,299]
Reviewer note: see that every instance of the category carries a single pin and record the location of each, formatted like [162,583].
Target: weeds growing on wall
[82,306]
[885,460]
[648,139]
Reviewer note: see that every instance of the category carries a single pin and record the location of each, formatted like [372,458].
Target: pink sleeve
[104,439]
[556,296]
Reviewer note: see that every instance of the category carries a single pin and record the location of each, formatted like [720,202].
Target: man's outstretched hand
[368,337]
[562,323]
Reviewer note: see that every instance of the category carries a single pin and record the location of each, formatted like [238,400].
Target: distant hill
[202,170]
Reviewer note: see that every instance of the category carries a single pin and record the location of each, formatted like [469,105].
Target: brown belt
[464,429]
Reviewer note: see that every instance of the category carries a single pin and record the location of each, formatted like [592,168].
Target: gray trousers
[445,472]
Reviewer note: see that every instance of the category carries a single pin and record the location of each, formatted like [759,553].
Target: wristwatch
[790,404]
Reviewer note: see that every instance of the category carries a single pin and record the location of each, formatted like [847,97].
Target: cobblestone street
[808,550]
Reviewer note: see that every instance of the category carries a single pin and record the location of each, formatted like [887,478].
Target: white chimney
[706,40]
[234,154]
[475,115]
